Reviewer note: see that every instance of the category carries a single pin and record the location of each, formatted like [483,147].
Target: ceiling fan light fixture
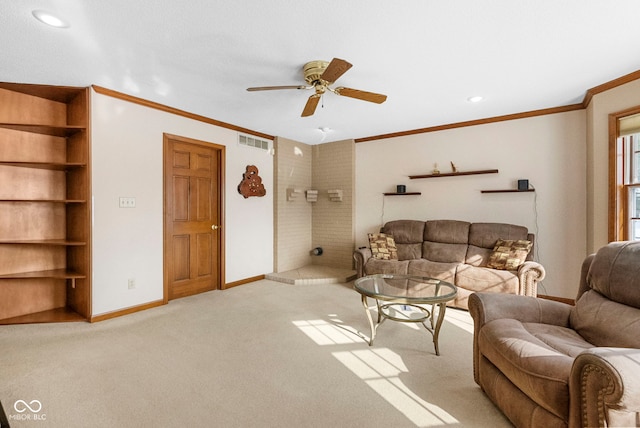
[49,19]
[475,99]
[320,75]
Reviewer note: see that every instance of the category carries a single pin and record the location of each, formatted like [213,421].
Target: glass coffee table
[392,293]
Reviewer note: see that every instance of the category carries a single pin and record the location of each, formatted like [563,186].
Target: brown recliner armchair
[550,364]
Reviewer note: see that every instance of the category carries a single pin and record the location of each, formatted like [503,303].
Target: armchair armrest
[360,256]
[529,274]
[605,387]
[485,307]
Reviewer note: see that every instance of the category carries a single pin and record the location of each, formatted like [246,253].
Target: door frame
[221,160]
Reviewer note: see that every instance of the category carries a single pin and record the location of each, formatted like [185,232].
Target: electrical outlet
[132,283]
[127,202]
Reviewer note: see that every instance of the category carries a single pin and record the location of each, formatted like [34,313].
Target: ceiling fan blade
[361,95]
[336,68]
[311,105]
[273,88]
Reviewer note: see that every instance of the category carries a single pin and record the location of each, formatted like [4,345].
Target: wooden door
[193,172]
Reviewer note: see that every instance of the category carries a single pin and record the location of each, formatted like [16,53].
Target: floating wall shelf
[402,194]
[292,194]
[455,174]
[335,195]
[507,191]
[312,195]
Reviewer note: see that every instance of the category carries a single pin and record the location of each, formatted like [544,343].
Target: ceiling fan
[320,75]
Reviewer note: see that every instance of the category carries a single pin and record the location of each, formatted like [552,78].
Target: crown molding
[580,106]
[167,109]
[609,85]
[503,118]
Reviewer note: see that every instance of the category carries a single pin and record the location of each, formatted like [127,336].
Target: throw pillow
[509,254]
[383,246]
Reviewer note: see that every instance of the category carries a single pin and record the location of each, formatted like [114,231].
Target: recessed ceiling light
[475,99]
[49,19]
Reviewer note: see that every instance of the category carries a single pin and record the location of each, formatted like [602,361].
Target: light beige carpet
[265,354]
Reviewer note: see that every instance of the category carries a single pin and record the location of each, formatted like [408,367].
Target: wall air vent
[246,140]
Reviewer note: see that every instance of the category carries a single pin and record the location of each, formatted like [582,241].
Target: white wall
[548,150]
[127,145]
[602,104]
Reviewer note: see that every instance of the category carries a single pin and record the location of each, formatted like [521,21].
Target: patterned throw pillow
[509,254]
[383,246]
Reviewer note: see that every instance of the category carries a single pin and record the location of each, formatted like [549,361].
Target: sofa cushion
[604,322]
[440,252]
[509,254]
[490,280]
[537,358]
[447,231]
[408,235]
[383,246]
[431,269]
[409,251]
[445,240]
[405,231]
[483,238]
[374,266]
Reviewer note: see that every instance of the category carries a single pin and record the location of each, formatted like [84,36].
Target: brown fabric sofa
[550,364]
[457,252]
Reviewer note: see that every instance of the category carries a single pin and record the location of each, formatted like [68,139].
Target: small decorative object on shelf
[401,188]
[435,171]
[523,184]
[312,195]
[335,195]
[454,168]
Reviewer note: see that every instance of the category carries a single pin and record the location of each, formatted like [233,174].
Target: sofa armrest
[529,274]
[605,387]
[360,256]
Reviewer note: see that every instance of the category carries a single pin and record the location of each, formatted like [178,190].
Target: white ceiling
[428,56]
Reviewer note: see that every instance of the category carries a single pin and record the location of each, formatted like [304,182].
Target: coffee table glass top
[405,288]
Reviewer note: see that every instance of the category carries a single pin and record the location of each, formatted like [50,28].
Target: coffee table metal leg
[441,308]
[368,312]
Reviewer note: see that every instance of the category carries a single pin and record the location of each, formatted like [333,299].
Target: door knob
[214,227]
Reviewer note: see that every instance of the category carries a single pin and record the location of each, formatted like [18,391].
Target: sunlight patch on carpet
[460,319]
[326,333]
[381,370]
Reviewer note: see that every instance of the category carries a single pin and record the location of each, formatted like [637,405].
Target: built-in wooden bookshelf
[45,259]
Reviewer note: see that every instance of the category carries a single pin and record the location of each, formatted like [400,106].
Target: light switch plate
[127,202]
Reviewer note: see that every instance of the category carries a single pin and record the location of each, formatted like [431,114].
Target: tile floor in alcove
[313,274]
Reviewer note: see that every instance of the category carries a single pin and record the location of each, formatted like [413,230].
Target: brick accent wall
[301,226]
[333,222]
[292,228]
